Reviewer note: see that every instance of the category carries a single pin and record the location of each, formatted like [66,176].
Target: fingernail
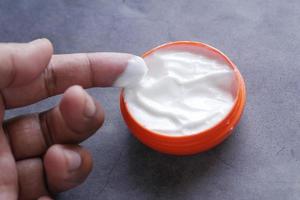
[73,159]
[134,72]
[90,107]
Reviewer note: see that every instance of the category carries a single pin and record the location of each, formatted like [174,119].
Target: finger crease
[44,123]
[50,80]
[13,72]
[91,71]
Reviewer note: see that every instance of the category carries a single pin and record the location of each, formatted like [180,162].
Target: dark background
[261,160]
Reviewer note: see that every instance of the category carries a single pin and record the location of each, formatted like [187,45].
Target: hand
[39,153]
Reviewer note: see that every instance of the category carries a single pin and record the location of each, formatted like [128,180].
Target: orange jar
[195,143]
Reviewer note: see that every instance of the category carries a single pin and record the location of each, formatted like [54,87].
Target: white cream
[184,92]
[134,72]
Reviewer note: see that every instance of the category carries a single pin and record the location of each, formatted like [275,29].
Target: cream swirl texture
[184,92]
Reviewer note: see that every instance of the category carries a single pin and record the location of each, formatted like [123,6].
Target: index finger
[85,69]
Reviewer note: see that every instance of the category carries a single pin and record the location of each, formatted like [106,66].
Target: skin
[39,153]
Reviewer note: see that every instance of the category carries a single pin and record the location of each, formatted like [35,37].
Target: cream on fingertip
[134,72]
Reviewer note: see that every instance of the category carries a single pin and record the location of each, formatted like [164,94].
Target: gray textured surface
[261,160]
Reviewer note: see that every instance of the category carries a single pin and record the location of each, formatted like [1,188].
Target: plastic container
[199,142]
